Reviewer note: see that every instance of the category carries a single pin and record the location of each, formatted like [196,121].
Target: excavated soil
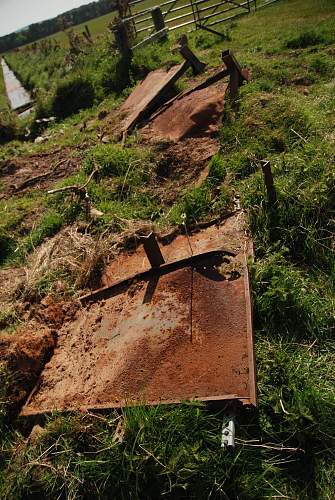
[180,165]
[40,171]
[52,312]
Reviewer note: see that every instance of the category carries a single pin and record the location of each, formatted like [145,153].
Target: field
[96,27]
[50,254]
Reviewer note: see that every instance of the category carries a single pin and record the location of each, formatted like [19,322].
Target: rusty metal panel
[147,92]
[178,333]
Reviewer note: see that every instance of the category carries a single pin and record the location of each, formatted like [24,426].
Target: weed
[305,39]
[321,65]
[9,318]
[72,95]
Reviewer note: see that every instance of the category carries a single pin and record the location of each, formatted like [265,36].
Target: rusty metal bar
[152,250]
[165,268]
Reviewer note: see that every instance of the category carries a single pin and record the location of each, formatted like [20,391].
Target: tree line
[40,30]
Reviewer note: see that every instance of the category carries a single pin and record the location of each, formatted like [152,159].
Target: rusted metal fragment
[229,235]
[168,336]
[197,114]
[18,97]
[147,93]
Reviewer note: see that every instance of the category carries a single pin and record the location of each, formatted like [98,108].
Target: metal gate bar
[192,12]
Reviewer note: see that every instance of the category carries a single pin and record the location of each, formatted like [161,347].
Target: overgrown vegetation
[286,449]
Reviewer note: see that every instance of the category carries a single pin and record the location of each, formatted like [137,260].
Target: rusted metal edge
[166,268]
[250,336]
[183,67]
[245,401]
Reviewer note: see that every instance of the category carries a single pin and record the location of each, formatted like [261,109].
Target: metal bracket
[152,250]
[228,432]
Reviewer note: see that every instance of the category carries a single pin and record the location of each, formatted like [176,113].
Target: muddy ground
[20,174]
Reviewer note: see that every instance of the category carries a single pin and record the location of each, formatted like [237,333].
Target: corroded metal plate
[178,333]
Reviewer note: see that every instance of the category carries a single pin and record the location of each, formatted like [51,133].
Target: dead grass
[79,255]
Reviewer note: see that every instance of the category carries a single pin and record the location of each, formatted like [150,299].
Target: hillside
[54,249]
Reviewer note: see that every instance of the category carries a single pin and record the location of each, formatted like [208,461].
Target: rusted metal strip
[152,250]
[165,268]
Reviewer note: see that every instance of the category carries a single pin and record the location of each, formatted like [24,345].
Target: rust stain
[147,92]
[195,114]
[183,334]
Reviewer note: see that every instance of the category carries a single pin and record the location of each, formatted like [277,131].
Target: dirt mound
[196,114]
[53,313]
[25,354]
[11,279]
[19,174]
[180,165]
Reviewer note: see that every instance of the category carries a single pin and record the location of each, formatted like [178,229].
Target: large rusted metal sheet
[17,95]
[147,93]
[179,332]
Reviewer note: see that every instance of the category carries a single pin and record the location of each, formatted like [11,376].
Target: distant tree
[62,22]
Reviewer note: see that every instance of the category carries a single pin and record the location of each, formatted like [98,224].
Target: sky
[16,14]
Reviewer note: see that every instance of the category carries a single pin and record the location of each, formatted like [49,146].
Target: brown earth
[52,312]
[38,171]
[180,165]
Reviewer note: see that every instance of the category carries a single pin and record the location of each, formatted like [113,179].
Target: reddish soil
[25,355]
[182,335]
[53,313]
[39,171]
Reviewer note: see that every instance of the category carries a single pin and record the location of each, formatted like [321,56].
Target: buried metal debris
[201,107]
[180,331]
[197,112]
[147,93]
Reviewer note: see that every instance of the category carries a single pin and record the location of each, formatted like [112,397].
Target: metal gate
[177,14]
[180,13]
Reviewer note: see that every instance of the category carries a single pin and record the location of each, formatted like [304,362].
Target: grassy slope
[285,115]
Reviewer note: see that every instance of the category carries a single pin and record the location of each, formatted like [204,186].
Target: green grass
[286,448]
[3,96]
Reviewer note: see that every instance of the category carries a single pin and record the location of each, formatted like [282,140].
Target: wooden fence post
[268,180]
[158,18]
[122,39]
